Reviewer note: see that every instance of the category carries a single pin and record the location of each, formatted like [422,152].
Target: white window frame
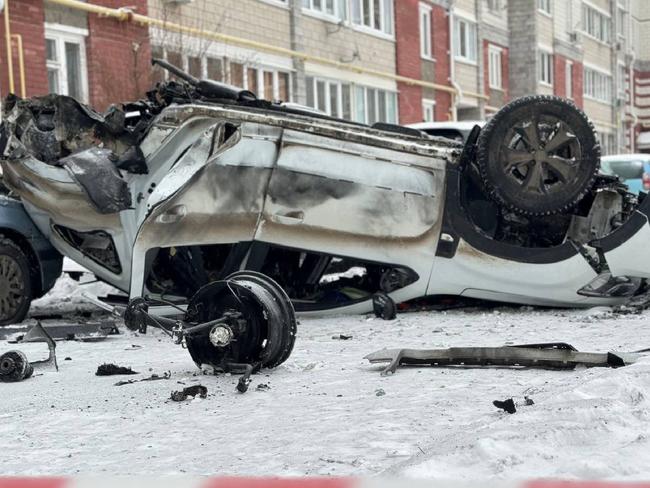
[568,79]
[596,23]
[544,6]
[545,71]
[426,39]
[495,67]
[597,85]
[428,110]
[494,7]
[470,38]
[328,84]
[340,8]
[386,19]
[61,34]
[358,95]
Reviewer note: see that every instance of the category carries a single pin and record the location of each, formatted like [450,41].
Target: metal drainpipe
[298,82]
[480,69]
[10,61]
[455,98]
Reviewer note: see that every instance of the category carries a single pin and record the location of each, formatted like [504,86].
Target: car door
[346,199]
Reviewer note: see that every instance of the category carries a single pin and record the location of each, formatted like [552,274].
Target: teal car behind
[632,169]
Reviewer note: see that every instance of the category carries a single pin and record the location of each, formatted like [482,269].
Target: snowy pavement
[326,411]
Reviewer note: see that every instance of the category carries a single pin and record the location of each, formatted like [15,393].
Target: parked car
[456,131]
[29,264]
[163,196]
[632,169]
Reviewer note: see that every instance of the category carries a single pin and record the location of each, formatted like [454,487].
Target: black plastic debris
[384,306]
[113,369]
[507,405]
[153,377]
[190,391]
[342,337]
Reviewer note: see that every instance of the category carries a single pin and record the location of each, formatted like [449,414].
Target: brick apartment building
[96,59]
[474,55]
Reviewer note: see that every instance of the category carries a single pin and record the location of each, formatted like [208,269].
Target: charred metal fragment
[191,391]
[95,170]
[545,356]
[14,366]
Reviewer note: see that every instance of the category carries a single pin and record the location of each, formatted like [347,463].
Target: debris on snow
[153,377]
[14,367]
[113,369]
[553,355]
[342,337]
[507,405]
[190,391]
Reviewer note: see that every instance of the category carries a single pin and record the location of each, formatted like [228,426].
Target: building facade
[96,59]
[354,32]
[355,59]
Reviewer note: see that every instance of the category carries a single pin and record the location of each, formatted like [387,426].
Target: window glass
[53,80]
[73,68]
[627,170]
[268,85]
[425,31]
[194,67]
[321,95]
[215,69]
[346,102]
[283,86]
[237,74]
[50,49]
[252,80]
[309,82]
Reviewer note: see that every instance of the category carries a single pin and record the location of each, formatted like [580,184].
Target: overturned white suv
[200,180]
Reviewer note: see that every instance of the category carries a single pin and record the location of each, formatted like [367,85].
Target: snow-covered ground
[326,411]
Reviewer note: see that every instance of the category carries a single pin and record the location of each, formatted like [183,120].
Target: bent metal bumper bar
[557,355]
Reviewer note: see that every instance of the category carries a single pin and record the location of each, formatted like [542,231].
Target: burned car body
[162,196]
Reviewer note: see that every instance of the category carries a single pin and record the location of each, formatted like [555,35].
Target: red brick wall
[559,75]
[27,17]
[441,49]
[407,34]
[116,71]
[577,83]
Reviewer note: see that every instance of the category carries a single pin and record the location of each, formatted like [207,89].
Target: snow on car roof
[465,125]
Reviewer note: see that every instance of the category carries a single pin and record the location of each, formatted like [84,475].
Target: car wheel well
[34,265]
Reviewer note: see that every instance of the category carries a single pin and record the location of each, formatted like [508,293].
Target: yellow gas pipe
[10,61]
[124,15]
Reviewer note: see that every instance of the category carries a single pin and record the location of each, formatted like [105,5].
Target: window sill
[545,84]
[428,58]
[277,3]
[595,39]
[497,88]
[545,13]
[332,19]
[372,32]
[597,100]
[466,61]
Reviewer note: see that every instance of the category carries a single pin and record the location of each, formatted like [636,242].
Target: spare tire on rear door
[538,155]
